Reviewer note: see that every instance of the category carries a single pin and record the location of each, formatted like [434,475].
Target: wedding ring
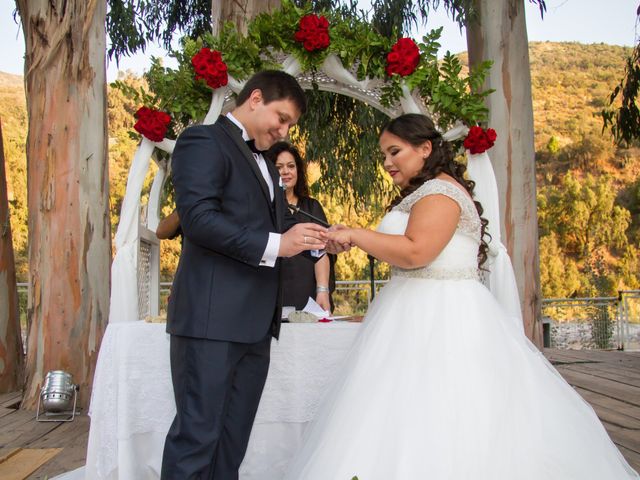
[305,240]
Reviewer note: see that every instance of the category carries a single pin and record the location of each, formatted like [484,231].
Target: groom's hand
[301,237]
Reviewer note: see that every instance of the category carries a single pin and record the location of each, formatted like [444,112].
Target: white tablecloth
[132,402]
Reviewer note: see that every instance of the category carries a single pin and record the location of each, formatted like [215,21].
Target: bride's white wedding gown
[441,385]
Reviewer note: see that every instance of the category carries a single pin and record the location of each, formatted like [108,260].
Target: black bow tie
[252,146]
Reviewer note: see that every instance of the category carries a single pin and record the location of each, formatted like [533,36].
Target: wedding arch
[325,52]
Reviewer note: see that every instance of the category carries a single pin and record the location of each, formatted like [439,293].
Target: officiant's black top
[298,272]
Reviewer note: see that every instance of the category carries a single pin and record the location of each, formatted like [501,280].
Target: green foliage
[583,231]
[629,266]
[583,214]
[276,30]
[601,277]
[453,97]
[559,274]
[553,145]
[450,95]
[132,24]
[350,170]
[589,153]
[337,131]
[624,121]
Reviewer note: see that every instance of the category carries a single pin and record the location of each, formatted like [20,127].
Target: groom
[224,306]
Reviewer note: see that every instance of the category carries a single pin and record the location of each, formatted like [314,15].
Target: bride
[440,383]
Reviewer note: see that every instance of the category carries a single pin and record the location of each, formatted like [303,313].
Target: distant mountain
[10,80]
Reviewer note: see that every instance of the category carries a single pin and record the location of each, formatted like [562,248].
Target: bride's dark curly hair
[416,129]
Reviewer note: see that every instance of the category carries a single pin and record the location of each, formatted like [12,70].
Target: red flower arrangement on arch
[403,58]
[313,32]
[209,66]
[152,123]
[479,140]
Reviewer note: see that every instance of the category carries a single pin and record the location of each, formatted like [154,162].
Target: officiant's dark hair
[301,188]
[416,129]
[274,85]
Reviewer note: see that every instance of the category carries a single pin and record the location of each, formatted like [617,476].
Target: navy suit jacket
[220,291]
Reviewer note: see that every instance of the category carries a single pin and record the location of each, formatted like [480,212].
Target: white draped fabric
[123,305]
[332,66]
[217,101]
[291,65]
[500,278]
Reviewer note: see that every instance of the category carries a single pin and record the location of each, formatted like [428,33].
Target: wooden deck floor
[609,381]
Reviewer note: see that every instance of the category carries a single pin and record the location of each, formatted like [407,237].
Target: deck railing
[569,323]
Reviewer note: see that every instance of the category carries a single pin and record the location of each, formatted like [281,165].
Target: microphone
[296,209]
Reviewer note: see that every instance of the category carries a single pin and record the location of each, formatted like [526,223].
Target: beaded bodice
[459,259]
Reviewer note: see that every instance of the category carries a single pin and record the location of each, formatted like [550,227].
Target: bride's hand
[342,237]
[334,246]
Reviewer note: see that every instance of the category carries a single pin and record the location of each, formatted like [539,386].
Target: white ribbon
[408,103]
[333,67]
[459,130]
[217,101]
[235,85]
[291,65]
[127,227]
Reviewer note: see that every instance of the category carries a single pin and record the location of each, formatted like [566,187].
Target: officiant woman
[301,278]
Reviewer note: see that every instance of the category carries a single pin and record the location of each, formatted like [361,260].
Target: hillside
[571,83]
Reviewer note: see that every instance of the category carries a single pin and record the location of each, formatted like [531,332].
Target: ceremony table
[132,403]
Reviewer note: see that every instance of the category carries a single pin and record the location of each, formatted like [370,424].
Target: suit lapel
[236,135]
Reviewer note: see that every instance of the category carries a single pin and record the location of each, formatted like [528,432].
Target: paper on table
[287,310]
[317,310]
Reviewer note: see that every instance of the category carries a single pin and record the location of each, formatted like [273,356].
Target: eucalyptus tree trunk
[240,12]
[68,189]
[11,356]
[500,35]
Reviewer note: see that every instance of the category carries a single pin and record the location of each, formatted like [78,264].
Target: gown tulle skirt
[441,385]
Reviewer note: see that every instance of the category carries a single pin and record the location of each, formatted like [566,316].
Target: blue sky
[587,21]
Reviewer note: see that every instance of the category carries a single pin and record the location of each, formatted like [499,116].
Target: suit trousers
[217,387]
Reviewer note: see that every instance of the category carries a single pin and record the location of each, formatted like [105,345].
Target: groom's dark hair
[274,85]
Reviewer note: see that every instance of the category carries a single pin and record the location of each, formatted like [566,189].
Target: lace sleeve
[433,187]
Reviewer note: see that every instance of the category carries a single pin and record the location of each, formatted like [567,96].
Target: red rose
[313,32]
[308,22]
[209,67]
[152,124]
[403,58]
[479,140]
